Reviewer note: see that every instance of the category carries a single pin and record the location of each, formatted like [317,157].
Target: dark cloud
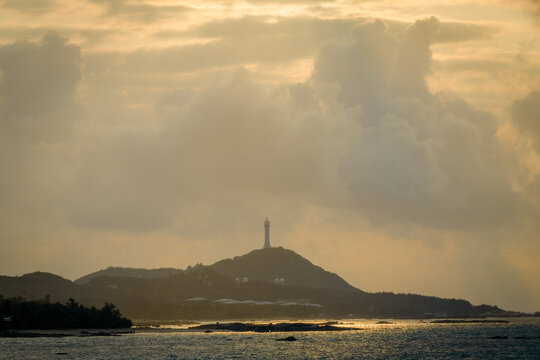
[526,115]
[38,78]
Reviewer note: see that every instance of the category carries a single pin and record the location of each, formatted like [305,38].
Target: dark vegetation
[19,314]
[142,295]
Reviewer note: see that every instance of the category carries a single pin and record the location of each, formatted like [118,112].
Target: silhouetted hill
[130,272]
[270,265]
[213,292]
[38,285]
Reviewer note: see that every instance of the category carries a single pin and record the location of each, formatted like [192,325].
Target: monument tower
[266,234]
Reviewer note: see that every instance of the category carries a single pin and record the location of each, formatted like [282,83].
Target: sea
[389,339]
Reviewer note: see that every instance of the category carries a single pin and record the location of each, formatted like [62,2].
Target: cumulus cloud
[219,149]
[414,161]
[364,132]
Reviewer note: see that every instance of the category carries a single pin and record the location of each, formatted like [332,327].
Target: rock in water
[288,338]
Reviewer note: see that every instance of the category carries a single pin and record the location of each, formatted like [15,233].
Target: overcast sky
[396,143]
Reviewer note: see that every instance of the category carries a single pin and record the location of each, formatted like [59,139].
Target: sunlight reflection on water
[406,339]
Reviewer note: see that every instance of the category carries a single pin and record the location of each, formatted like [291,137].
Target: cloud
[535,8]
[88,35]
[526,116]
[218,147]
[38,85]
[139,11]
[452,32]
[30,6]
[476,65]
[364,133]
[304,2]
[240,41]
[38,108]
[319,29]
[39,77]
[412,161]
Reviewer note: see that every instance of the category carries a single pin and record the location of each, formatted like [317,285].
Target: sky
[396,143]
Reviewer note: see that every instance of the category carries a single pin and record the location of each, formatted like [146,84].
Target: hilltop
[281,266]
[38,285]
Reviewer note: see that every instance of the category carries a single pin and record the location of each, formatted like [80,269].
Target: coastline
[65,332]
[261,326]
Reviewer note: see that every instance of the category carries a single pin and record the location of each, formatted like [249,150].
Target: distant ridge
[270,264]
[129,272]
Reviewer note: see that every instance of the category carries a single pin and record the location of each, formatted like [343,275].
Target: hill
[280,266]
[219,291]
[38,285]
[129,272]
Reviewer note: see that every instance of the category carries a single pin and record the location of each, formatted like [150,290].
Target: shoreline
[258,326]
[32,333]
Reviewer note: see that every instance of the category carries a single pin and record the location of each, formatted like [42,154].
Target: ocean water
[409,339]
